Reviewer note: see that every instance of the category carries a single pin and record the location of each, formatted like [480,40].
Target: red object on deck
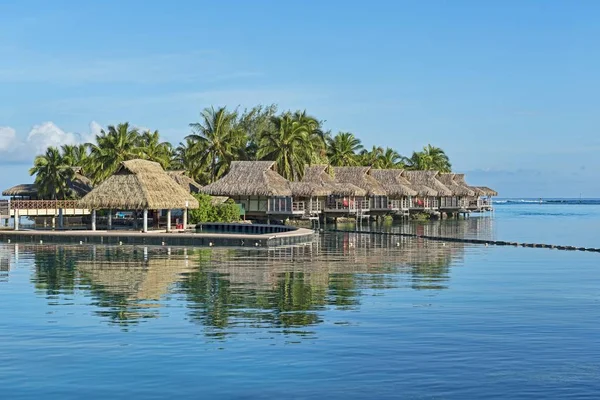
[179,226]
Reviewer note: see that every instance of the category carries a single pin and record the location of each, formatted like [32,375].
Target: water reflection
[226,291]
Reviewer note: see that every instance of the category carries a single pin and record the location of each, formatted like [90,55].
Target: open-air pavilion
[139,185]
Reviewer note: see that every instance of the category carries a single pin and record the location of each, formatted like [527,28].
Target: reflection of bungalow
[260,190]
[79,187]
[331,196]
[397,188]
[429,188]
[376,200]
[138,185]
[461,197]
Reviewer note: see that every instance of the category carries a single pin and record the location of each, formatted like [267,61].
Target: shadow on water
[228,291]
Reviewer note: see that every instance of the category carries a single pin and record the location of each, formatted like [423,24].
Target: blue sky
[508,88]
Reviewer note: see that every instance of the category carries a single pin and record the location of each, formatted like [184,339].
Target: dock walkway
[159,238]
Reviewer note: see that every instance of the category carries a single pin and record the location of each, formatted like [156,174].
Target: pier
[247,235]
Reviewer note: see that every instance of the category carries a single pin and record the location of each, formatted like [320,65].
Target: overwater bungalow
[79,186]
[461,197]
[260,190]
[139,185]
[482,201]
[429,189]
[185,181]
[324,194]
[376,200]
[397,187]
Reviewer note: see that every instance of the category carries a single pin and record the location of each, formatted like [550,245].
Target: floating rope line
[474,241]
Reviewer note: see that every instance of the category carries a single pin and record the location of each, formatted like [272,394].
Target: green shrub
[207,212]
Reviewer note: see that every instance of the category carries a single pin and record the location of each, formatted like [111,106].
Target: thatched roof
[426,184]
[449,180]
[139,184]
[486,191]
[185,181]
[393,182]
[317,180]
[24,189]
[359,176]
[250,178]
[80,185]
[479,190]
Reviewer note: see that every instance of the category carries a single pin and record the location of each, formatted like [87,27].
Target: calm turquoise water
[350,316]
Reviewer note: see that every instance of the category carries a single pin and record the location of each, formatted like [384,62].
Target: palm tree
[342,149]
[112,147]
[316,136]
[217,140]
[155,150]
[184,159]
[431,158]
[371,157]
[52,174]
[289,145]
[76,156]
[390,159]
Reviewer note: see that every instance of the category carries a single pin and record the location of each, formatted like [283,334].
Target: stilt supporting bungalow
[168,220]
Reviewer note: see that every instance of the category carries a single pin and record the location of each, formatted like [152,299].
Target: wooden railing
[43,204]
[4,208]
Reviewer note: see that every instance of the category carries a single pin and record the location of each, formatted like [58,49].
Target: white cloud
[40,137]
[47,134]
[8,138]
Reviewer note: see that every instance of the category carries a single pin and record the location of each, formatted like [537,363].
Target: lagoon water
[349,316]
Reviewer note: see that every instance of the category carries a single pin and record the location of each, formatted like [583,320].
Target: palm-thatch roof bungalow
[462,194]
[320,190]
[430,189]
[139,185]
[398,188]
[258,188]
[185,181]
[359,176]
[79,186]
[486,191]
[483,195]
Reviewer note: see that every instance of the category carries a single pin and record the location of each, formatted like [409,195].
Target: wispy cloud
[197,66]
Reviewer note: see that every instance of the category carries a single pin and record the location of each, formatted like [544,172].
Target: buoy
[120,243]
[8,240]
[80,242]
[41,242]
[256,244]
[210,244]
[163,243]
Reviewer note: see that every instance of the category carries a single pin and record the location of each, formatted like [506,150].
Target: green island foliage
[209,212]
[292,139]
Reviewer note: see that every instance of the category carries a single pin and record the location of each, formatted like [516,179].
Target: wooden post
[93,220]
[61,218]
[169,220]
[145,221]
[109,220]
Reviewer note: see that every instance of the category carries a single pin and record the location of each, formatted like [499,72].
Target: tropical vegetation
[292,139]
